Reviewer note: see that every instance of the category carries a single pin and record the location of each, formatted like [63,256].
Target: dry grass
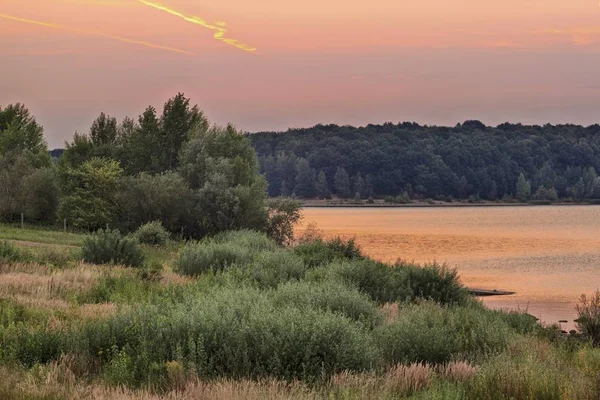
[458,371]
[400,380]
[390,312]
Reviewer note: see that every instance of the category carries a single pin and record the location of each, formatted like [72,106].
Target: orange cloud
[579,36]
[218,27]
[100,34]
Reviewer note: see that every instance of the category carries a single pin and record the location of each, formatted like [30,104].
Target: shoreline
[435,204]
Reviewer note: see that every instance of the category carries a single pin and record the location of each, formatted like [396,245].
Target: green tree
[543,193]
[142,145]
[360,186]
[305,179]
[19,131]
[89,200]
[284,214]
[103,131]
[176,124]
[342,183]
[221,167]
[523,189]
[321,186]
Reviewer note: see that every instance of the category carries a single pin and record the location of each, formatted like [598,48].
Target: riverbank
[432,203]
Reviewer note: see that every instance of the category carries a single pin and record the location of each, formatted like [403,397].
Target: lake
[548,255]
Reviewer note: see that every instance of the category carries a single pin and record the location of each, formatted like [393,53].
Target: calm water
[549,256]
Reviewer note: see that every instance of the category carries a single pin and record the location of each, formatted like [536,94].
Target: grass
[320,321]
[34,234]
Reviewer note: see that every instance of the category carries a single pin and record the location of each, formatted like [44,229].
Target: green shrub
[588,319]
[152,233]
[319,252]
[432,282]
[9,252]
[436,334]
[253,240]
[403,282]
[237,333]
[199,257]
[269,269]
[110,247]
[330,296]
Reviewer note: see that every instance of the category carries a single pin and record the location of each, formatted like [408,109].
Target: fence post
[22,221]
[107,226]
[65,224]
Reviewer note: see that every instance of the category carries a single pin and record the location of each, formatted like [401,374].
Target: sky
[271,65]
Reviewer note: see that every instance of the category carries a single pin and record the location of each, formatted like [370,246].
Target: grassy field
[238,317]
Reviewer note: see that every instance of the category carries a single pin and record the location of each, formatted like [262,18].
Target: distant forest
[408,160]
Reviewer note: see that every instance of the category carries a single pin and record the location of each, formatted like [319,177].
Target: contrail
[218,27]
[100,34]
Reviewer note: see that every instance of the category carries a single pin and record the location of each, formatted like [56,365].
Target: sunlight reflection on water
[548,255]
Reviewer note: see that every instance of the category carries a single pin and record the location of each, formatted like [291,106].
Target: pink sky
[318,61]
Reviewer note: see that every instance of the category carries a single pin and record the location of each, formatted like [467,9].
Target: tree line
[408,160]
[197,179]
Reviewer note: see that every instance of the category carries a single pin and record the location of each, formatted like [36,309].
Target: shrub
[432,282]
[588,320]
[152,233]
[330,296]
[230,333]
[319,251]
[200,257]
[404,282]
[269,269]
[251,239]
[110,247]
[435,334]
[9,252]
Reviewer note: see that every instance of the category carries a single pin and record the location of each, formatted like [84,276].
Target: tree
[19,131]
[543,193]
[142,145]
[221,167]
[523,189]
[360,186]
[321,186]
[305,179]
[104,130]
[89,200]
[342,183]
[284,214]
[176,124]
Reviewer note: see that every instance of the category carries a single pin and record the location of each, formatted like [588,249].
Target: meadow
[237,316]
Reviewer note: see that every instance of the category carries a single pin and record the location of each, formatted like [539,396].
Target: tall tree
[305,179]
[523,189]
[104,130]
[342,183]
[321,186]
[176,123]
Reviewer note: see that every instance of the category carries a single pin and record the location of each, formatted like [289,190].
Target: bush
[270,269]
[9,252]
[199,257]
[330,296]
[229,333]
[435,334]
[588,320]
[110,247]
[433,282]
[251,239]
[152,233]
[403,282]
[319,251]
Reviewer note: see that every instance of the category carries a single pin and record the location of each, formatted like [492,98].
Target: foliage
[8,252]
[199,257]
[588,319]
[430,333]
[317,251]
[163,197]
[437,162]
[283,215]
[110,247]
[90,191]
[152,233]
[230,332]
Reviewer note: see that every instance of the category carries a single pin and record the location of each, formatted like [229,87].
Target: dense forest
[407,160]
[174,167]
